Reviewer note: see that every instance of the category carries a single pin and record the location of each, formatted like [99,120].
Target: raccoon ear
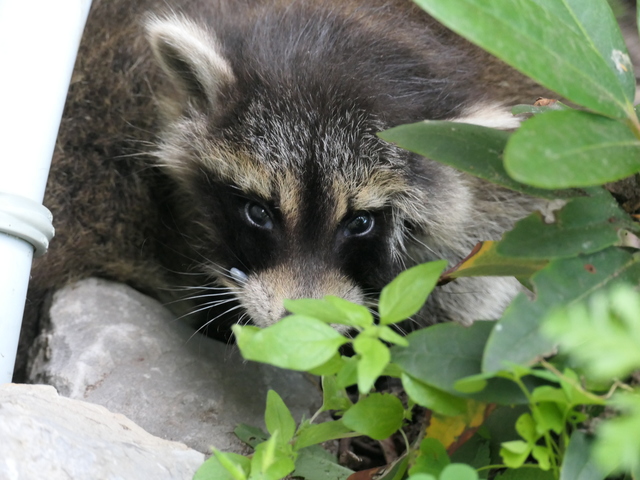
[191,56]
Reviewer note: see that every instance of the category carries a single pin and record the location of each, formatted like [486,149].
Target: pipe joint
[26,219]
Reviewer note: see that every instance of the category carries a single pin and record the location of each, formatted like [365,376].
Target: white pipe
[39,40]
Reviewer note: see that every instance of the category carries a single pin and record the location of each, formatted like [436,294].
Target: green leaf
[473,383]
[271,462]
[317,308]
[406,294]
[578,462]
[542,456]
[331,310]
[534,109]
[549,416]
[603,334]
[531,36]
[333,397]
[315,463]
[617,446]
[278,418]
[392,370]
[475,452]
[526,474]
[601,25]
[500,427]
[526,428]
[577,394]
[471,148]
[486,259]
[321,432]
[224,466]
[571,148]
[422,476]
[349,374]
[432,398]
[330,367]
[442,354]
[547,393]
[583,225]
[432,459]
[397,469]
[296,342]
[356,315]
[517,338]
[389,335]
[515,453]
[252,436]
[374,357]
[458,471]
[378,416]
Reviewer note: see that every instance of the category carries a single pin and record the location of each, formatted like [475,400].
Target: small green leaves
[387,411]
[331,310]
[458,471]
[406,294]
[570,148]
[272,460]
[314,463]
[322,432]
[278,418]
[514,453]
[433,398]
[602,334]
[374,357]
[618,442]
[333,397]
[296,342]
[224,466]
[432,458]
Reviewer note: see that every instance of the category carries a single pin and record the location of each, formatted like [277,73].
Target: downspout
[39,40]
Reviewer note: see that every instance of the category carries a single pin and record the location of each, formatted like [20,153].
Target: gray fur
[279,101]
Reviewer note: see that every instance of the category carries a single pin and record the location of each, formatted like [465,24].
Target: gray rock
[48,436]
[110,345]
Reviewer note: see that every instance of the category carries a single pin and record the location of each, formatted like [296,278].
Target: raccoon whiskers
[209,305]
[196,297]
[209,322]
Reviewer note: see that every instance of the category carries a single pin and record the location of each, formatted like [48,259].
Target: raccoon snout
[263,293]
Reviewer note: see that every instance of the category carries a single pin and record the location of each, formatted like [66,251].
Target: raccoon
[222,155]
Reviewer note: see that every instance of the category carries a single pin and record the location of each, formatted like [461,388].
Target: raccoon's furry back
[230,145]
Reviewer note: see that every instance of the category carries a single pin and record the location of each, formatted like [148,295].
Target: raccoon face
[290,192]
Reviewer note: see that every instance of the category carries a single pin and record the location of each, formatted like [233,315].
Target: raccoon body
[224,153]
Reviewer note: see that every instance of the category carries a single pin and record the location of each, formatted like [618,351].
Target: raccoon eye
[360,224]
[257,215]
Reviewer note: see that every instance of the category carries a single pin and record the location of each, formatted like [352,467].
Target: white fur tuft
[489,115]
